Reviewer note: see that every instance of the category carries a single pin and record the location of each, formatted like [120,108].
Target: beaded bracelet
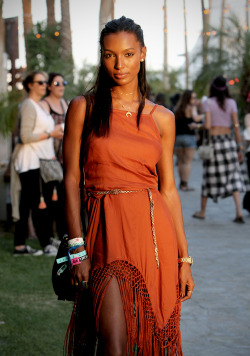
[76,241]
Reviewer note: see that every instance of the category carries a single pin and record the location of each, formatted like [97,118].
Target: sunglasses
[41,82]
[58,84]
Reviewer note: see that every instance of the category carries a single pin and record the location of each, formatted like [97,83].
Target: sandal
[198,215]
[239,220]
[184,187]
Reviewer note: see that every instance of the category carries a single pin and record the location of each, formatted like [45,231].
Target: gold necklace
[123,93]
[128,113]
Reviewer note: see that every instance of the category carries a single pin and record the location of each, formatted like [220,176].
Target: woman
[57,106]
[187,120]
[133,242]
[37,131]
[222,175]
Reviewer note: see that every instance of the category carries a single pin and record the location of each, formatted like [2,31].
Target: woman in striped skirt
[222,176]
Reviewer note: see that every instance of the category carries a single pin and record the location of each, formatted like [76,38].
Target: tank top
[182,127]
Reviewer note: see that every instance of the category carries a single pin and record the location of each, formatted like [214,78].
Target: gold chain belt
[151,201]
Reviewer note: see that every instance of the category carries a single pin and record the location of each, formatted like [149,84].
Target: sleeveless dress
[131,235]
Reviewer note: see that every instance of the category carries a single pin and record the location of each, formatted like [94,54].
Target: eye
[129,54]
[107,55]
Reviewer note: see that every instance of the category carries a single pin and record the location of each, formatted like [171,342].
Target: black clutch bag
[61,274]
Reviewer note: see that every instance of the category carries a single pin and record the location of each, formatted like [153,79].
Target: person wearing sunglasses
[56,105]
[37,131]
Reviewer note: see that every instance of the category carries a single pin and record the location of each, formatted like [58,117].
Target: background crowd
[39,135]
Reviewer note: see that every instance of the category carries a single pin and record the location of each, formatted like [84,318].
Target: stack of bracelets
[77,258]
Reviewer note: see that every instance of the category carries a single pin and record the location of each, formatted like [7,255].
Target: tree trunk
[165,68]
[106,13]
[186,46]
[66,31]
[27,24]
[3,83]
[247,15]
[51,21]
[221,29]
[206,26]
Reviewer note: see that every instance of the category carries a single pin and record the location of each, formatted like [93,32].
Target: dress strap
[50,108]
[151,112]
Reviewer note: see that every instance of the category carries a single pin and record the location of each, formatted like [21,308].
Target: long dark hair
[99,100]
[219,90]
[183,103]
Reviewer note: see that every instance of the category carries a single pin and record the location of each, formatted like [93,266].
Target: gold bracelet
[236,125]
[188,259]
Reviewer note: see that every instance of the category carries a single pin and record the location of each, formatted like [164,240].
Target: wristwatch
[188,259]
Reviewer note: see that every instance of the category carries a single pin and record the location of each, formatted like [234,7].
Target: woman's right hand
[57,132]
[80,272]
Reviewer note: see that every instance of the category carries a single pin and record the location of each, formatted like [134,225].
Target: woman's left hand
[186,281]
[240,156]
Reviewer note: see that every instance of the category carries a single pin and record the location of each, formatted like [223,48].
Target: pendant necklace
[128,113]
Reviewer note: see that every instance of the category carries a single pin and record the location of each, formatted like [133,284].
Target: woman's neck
[54,99]
[34,97]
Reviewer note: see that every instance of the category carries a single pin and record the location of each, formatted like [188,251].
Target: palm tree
[221,29]
[27,24]
[186,47]
[206,24]
[2,50]
[247,14]
[66,31]
[51,12]
[106,12]
[165,68]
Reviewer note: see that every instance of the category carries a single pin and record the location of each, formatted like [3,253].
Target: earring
[142,60]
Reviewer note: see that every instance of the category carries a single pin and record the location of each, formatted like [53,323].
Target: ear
[30,85]
[143,54]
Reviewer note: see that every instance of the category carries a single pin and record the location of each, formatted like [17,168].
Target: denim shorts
[185,141]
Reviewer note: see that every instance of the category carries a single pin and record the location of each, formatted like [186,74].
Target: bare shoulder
[164,119]
[79,102]
[77,107]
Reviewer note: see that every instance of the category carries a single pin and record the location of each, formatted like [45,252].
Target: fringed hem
[144,336]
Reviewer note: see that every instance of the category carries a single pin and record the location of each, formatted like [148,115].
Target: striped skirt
[223,174]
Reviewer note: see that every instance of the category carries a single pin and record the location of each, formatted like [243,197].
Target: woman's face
[38,86]
[57,86]
[122,56]
[193,99]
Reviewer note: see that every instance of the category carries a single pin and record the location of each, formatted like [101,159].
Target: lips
[120,75]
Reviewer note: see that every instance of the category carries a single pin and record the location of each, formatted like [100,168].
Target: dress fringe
[145,338]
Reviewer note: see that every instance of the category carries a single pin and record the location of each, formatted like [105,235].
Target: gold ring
[189,291]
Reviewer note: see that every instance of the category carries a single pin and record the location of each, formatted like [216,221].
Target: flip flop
[198,216]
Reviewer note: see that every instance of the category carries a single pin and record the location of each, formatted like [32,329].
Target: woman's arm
[166,123]
[72,175]
[195,116]
[236,127]
[27,124]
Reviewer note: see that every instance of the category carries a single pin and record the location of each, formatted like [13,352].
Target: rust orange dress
[131,235]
